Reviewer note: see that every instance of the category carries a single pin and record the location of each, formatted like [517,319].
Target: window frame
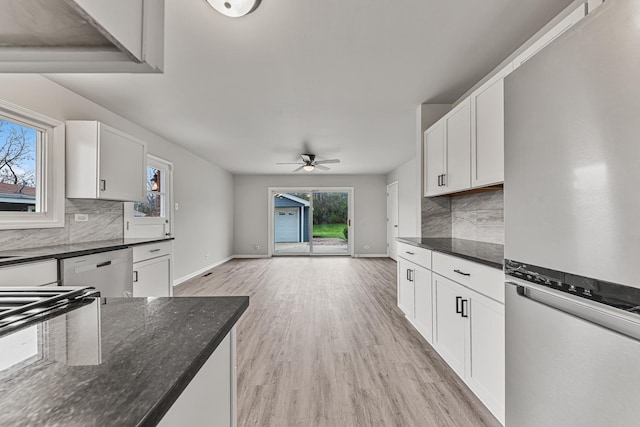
[50,173]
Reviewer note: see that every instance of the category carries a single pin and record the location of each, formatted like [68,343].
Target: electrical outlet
[81,217]
[366,246]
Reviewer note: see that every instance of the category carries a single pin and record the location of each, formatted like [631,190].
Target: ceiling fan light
[234,8]
[308,168]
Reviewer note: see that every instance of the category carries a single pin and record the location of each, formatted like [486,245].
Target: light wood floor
[324,344]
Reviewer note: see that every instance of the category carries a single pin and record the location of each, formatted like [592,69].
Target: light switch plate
[81,217]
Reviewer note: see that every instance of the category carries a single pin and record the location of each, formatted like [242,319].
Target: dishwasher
[110,272]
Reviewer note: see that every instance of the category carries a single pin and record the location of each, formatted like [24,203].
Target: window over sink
[31,169]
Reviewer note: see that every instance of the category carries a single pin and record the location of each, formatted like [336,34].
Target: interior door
[392,220]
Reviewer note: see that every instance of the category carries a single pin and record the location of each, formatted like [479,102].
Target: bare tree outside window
[18,180]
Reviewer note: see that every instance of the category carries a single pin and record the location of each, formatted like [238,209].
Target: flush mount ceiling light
[234,8]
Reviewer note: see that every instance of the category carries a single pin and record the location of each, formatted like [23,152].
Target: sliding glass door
[311,221]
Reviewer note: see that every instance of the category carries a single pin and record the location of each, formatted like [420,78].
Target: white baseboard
[250,256]
[189,276]
[371,256]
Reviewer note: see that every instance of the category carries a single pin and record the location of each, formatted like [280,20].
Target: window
[152,218]
[31,169]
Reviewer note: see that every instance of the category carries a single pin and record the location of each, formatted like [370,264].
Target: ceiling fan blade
[297,169]
[296,163]
[324,168]
[321,162]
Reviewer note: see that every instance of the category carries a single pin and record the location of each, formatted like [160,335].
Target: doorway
[392,219]
[310,221]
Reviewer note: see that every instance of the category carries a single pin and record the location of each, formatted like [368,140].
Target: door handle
[444,182]
[103,185]
[135,276]
[439,180]
[458,308]
[408,277]
[154,250]
[464,312]
[462,273]
[103,264]
[410,253]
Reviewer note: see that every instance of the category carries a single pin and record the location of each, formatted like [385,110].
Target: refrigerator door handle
[612,319]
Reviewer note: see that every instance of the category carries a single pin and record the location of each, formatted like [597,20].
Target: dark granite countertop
[17,256]
[150,348]
[489,254]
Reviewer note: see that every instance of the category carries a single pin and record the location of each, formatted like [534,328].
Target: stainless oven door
[569,362]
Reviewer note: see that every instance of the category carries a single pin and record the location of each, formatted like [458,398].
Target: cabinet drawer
[152,250]
[415,254]
[29,274]
[481,278]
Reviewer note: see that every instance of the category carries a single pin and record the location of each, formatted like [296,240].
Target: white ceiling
[336,78]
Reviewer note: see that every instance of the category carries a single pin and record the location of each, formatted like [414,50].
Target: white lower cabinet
[458,307]
[210,398]
[423,315]
[469,335]
[406,289]
[486,364]
[414,291]
[450,327]
[152,278]
[152,270]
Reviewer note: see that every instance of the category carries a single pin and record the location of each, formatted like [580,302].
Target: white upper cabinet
[458,136]
[447,152]
[434,159]
[487,136]
[104,163]
[555,32]
[83,36]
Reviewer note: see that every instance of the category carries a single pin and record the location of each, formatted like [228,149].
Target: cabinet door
[434,159]
[152,278]
[487,137]
[122,166]
[486,364]
[458,142]
[423,303]
[449,328]
[406,288]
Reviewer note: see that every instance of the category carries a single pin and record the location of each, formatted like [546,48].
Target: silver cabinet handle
[135,276]
[462,272]
[410,253]
[154,250]
[458,309]
[103,185]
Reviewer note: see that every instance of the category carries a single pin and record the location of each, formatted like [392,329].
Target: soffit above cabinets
[51,36]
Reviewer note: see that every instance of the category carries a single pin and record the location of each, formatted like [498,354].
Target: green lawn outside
[329,230]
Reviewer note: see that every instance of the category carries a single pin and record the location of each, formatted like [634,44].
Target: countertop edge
[159,410]
[69,254]
[453,253]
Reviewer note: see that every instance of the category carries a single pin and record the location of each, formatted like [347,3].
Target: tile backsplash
[477,217]
[105,222]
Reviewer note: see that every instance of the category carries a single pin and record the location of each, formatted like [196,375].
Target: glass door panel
[291,223]
[330,234]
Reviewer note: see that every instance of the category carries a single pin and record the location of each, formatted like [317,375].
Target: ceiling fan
[309,163]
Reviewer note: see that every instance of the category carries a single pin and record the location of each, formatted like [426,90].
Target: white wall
[251,226]
[204,223]
[408,203]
